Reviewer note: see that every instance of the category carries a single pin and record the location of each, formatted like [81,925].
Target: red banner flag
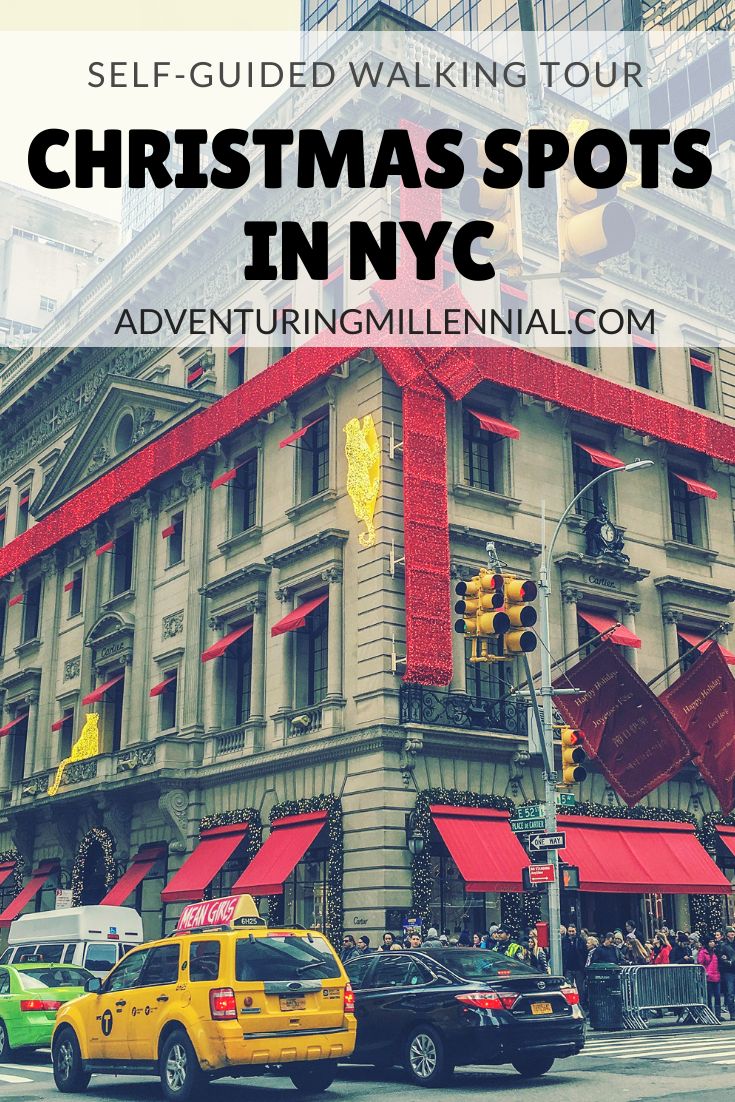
[624,726]
[702,701]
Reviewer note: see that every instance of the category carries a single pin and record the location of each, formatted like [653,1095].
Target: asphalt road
[681,1064]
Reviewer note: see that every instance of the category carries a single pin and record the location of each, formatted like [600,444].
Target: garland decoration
[102,837]
[17,874]
[335,859]
[521,910]
[707,911]
[253,838]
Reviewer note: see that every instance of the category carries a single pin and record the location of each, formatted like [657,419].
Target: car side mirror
[93,985]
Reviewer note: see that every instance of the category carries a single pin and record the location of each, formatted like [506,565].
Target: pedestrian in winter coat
[661,948]
[605,953]
[681,950]
[535,955]
[349,948]
[726,951]
[432,939]
[574,957]
[635,953]
[387,943]
[708,957]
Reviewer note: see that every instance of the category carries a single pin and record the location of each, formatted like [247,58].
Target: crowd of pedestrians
[583,949]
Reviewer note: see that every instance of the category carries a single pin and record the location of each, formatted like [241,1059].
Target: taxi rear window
[284,958]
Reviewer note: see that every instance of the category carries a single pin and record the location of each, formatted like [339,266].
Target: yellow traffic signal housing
[518,592]
[592,226]
[482,614]
[501,206]
[572,756]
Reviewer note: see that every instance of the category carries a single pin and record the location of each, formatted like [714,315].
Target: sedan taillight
[223,1004]
[39,1004]
[571,995]
[488,1000]
[349,1000]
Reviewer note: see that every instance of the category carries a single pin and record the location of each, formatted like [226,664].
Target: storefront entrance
[452,909]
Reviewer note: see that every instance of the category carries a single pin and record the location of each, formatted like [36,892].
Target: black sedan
[431,1010]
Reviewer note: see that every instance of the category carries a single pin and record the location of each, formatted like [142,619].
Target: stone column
[32,736]
[257,689]
[193,478]
[281,655]
[215,682]
[49,632]
[135,703]
[335,689]
[630,608]
[671,642]
[570,597]
[92,583]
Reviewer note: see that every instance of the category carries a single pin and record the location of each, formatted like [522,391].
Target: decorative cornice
[254,572]
[329,537]
[510,544]
[24,681]
[670,584]
[602,567]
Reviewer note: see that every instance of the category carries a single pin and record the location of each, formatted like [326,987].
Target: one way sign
[538,842]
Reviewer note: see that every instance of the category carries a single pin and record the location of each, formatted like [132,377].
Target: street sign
[547,841]
[520,826]
[566,799]
[541,874]
[529,811]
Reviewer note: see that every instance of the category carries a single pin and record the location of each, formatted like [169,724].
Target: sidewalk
[668,1024]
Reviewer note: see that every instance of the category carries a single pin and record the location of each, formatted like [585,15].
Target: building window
[512,300]
[305,891]
[700,368]
[75,593]
[686,513]
[333,294]
[3,522]
[66,734]
[453,910]
[589,638]
[692,654]
[581,351]
[194,374]
[122,561]
[238,680]
[282,337]
[486,680]
[168,700]
[23,506]
[48,305]
[483,455]
[230,872]
[644,362]
[584,471]
[311,658]
[314,448]
[237,366]
[18,744]
[111,714]
[245,493]
[31,611]
[3,621]
[175,539]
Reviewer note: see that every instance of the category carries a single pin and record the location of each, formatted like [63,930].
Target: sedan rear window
[284,958]
[34,978]
[481,964]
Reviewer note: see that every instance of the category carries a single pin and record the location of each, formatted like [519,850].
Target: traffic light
[518,592]
[482,612]
[592,225]
[501,206]
[572,756]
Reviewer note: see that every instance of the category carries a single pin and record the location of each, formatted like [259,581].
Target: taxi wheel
[314,1078]
[532,1066]
[181,1076]
[4,1042]
[69,1074]
[425,1058]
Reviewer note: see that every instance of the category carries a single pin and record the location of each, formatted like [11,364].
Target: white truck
[94,937]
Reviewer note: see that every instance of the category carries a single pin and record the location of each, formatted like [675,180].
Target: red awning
[195,374]
[222,479]
[168,531]
[98,694]
[299,616]
[695,486]
[488,855]
[494,424]
[726,834]
[238,344]
[13,723]
[635,855]
[59,723]
[281,852]
[203,864]
[703,365]
[105,547]
[158,689]
[601,458]
[695,640]
[620,635]
[15,600]
[6,867]
[138,869]
[299,433]
[39,876]
[218,649]
[514,292]
[644,342]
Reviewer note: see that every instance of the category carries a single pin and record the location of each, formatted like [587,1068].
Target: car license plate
[541,1008]
[297,1003]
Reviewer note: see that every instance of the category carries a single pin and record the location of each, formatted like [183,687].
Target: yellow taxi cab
[224,995]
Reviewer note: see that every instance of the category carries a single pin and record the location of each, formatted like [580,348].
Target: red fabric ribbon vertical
[426,534]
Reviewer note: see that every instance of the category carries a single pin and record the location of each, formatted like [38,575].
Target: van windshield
[31,979]
[284,958]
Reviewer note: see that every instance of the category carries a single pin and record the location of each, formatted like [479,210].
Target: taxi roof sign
[229,910]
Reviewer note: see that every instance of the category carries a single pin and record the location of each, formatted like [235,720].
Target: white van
[94,937]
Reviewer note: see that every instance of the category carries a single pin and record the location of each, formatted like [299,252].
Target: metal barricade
[665,987]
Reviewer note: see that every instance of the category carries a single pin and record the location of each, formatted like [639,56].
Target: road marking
[656,1048]
[14,1079]
[30,1067]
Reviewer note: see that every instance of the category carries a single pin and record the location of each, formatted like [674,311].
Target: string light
[252,841]
[362,449]
[17,873]
[335,859]
[101,837]
[86,746]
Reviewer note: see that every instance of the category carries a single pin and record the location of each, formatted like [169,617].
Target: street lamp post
[547,692]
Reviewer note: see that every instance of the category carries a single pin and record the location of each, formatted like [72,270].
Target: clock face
[607,532]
